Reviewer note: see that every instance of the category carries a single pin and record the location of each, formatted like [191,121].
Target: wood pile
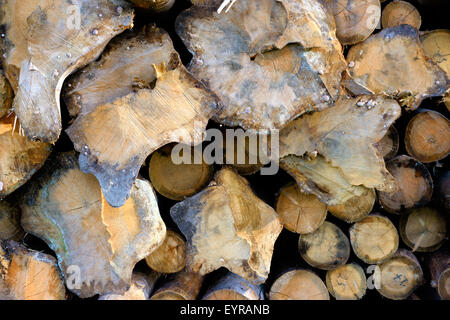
[100,99]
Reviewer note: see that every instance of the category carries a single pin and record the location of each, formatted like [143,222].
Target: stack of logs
[357,91]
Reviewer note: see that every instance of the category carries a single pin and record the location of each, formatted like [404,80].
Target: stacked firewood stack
[95,96]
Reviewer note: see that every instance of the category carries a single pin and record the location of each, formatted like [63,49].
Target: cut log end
[347,282]
[184,286]
[400,12]
[389,145]
[234,287]
[170,257]
[356,208]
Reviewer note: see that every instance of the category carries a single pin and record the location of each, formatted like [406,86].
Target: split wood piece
[392,62]
[399,276]
[298,211]
[183,286]
[226,225]
[427,136]
[98,243]
[355,20]
[436,45]
[19,157]
[178,181]
[347,282]
[439,266]
[389,145]
[444,190]
[128,63]
[233,287]
[319,177]
[345,135]
[170,256]
[45,41]
[29,274]
[140,289]
[299,285]
[423,229]
[374,239]
[10,228]
[115,138]
[276,59]
[356,208]
[326,248]
[400,12]
[154,5]
[6,95]
[415,185]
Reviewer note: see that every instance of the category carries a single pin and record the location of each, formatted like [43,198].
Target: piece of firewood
[245,155]
[170,256]
[400,12]
[183,286]
[154,5]
[19,157]
[399,276]
[423,229]
[299,284]
[415,185]
[436,45]
[233,287]
[345,135]
[326,248]
[10,228]
[97,245]
[374,239]
[45,41]
[347,282]
[178,181]
[29,274]
[298,211]
[389,145]
[141,287]
[444,190]
[276,59]
[439,266]
[392,62]
[356,208]
[355,20]
[115,137]
[319,177]
[226,225]
[427,136]
[6,95]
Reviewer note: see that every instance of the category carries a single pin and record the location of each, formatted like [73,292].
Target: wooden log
[415,185]
[29,274]
[299,285]
[374,239]
[400,12]
[177,181]
[427,136]
[444,190]
[243,156]
[436,45]
[45,42]
[287,49]
[405,73]
[226,225]
[326,248]
[154,5]
[234,287]
[356,208]
[10,228]
[298,211]
[170,256]
[184,286]
[141,287]
[347,282]
[97,245]
[389,145]
[355,20]
[6,95]
[19,158]
[400,275]
[423,229]
[166,104]
[439,266]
